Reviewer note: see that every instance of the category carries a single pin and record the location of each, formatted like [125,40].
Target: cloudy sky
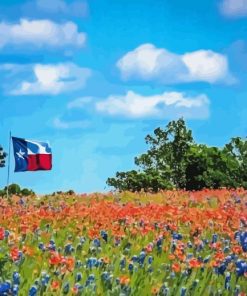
[94,77]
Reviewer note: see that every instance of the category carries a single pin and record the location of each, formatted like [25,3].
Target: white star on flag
[20,154]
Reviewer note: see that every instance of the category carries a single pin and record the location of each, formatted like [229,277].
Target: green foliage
[174,160]
[27,192]
[2,157]
[15,189]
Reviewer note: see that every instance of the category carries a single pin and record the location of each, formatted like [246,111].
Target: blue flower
[66,288]
[4,287]
[131,267]
[6,233]
[15,290]
[214,238]
[221,269]
[177,236]
[150,259]
[134,258]
[16,278]
[96,242]
[42,246]
[91,262]
[123,262]
[78,276]
[68,249]
[105,276]
[142,257]
[104,235]
[33,291]
[227,281]
[183,291]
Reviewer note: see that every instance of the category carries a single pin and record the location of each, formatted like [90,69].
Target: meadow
[169,243]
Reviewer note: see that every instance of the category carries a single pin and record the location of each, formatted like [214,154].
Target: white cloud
[234,8]
[149,63]
[53,79]
[61,124]
[41,33]
[165,105]
[79,103]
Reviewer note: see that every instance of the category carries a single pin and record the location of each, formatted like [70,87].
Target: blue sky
[94,77]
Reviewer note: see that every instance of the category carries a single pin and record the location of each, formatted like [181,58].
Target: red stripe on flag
[39,162]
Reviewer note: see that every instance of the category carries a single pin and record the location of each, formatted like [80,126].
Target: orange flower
[124,280]
[176,267]
[237,249]
[171,257]
[194,263]
[155,290]
[55,285]
[14,253]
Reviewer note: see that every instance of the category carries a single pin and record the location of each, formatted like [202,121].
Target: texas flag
[31,155]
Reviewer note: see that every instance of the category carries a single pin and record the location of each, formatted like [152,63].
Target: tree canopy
[174,160]
[2,157]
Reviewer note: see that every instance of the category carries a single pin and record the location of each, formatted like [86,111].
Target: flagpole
[8,166]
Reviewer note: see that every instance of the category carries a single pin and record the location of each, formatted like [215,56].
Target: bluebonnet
[237,290]
[68,249]
[221,269]
[90,279]
[78,263]
[142,257]
[96,242]
[66,288]
[150,259]
[189,244]
[122,262]
[6,233]
[16,278]
[105,276]
[15,290]
[91,262]
[5,287]
[214,238]
[241,267]
[79,288]
[130,267]
[82,239]
[159,243]
[42,246]
[33,291]
[195,283]
[135,258]
[177,236]
[243,240]
[183,291]
[78,276]
[227,281]
[104,235]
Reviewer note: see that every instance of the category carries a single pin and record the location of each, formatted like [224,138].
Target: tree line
[175,160]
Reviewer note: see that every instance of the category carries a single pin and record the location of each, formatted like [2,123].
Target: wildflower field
[170,243]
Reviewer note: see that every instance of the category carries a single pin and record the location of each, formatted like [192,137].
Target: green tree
[3,156]
[174,160]
[26,192]
[13,189]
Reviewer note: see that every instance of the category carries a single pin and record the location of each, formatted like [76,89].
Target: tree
[16,190]
[174,160]
[13,189]
[27,192]
[3,155]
